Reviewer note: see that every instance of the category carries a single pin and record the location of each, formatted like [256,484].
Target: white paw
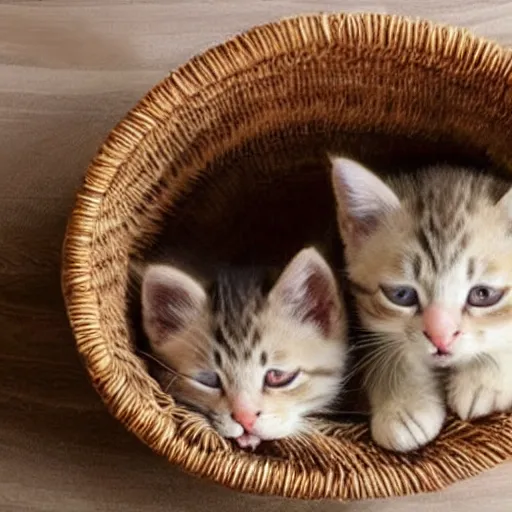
[476,393]
[403,429]
[248,441]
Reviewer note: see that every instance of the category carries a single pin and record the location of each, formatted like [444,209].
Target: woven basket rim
[215,65]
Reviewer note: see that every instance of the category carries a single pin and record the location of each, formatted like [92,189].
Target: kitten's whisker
[170,383]
[377,338]
[366,331]
[376,342]
[367,336]
[371,358]
[156,360]
[488,359]
[162,365]
[397,357]
[377,368]
[369,344]
[391,374]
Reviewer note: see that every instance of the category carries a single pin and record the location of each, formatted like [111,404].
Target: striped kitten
[430,261]
[254,359]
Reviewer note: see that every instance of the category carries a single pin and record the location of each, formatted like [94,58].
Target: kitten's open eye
[279,379]
[404,296]
[209,379]
[484,296]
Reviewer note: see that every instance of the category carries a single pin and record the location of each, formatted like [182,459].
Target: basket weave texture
[336,73]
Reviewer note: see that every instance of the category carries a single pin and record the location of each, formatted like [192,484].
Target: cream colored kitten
[430,261]
[255,361]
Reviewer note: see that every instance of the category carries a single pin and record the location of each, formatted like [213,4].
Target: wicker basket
[257,111]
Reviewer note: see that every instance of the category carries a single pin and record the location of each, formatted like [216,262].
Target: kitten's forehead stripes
[217,358]
[223,343]
[471,269]
[426,245]
[236,299]
[255,337]
[441,210]
[416,266]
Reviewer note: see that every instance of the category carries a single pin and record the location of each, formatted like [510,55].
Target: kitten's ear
[362,199]
[506,203]
[170,301]
[308,292]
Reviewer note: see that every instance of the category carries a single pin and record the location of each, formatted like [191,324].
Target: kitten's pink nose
[441,326]
[245,417]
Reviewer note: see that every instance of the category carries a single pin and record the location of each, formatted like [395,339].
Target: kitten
[254,359]
[429,257]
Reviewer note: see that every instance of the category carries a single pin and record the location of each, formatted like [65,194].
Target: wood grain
[68,72]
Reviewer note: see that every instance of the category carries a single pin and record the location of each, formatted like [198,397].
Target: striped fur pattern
[441,232]
[222,340]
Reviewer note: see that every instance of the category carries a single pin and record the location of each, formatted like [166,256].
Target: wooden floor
[69,69]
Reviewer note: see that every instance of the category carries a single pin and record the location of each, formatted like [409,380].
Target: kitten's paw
[404,429]
[248,441]
[477,393]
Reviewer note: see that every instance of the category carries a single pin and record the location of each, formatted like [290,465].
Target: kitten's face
[431,262]
[255,365]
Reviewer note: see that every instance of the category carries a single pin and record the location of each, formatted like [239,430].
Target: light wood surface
[69,70]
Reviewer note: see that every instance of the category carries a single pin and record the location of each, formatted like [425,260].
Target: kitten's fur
[441,231]
[236,329]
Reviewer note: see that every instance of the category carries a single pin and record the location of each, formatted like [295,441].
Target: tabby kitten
[254,360]
[429,257]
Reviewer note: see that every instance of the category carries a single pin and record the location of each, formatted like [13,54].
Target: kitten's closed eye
[280,379]
[210,379]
